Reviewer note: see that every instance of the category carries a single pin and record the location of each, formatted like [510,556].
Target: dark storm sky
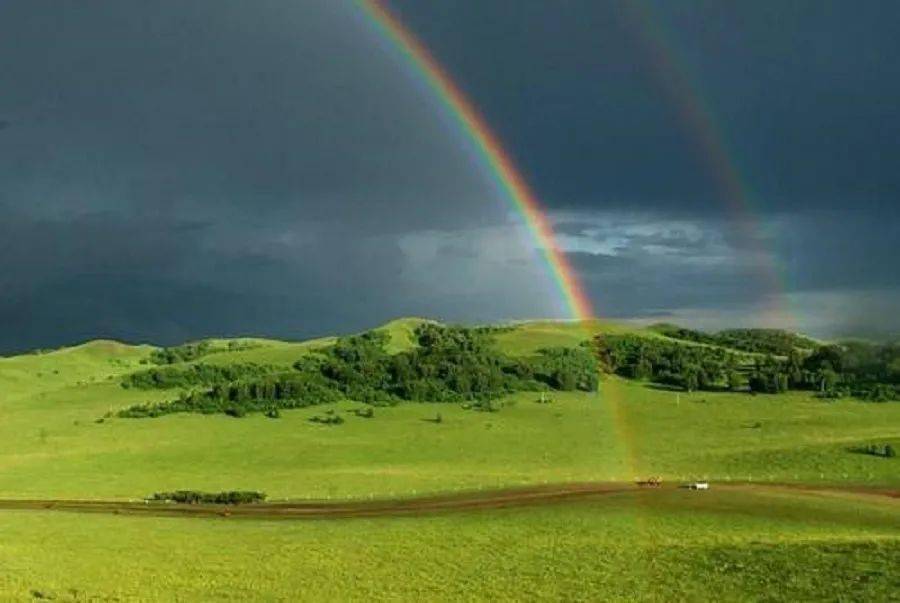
[184,168]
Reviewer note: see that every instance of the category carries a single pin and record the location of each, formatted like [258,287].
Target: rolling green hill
[57,441]
[51,444]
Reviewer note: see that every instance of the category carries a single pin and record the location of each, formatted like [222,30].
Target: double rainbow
[501,167]
[697,119]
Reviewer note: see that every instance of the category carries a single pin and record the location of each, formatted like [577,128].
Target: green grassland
[672,545]
[52,446]
[728,543]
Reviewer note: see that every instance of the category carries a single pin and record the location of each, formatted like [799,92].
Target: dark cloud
[801,96]
[196,167]
[280,107]
[634,266]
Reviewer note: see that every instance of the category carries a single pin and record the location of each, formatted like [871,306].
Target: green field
[733,542]
[715,546]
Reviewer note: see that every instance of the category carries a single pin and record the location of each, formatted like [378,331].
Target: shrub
[886,451]
[328,419]
[366,413]
[230,497]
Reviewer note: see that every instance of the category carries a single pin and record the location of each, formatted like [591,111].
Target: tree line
[170,377]
[236,399]
[449,364]
[864,370]
[777,342]
[689,367]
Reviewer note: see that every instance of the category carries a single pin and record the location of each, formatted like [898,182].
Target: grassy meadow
[733,542]
[673,545]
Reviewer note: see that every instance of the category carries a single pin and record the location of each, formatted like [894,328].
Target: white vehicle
[698,486]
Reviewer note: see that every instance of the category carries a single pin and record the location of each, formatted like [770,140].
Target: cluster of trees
[193,497]
[450,364]
[566,369]
[771,376]
[690,367]
[193,351]
[289,390]
[170,377]
[864,370]
[762,341]
[181,353]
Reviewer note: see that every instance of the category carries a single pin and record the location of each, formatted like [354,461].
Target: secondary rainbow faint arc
[673,73]
[502,168]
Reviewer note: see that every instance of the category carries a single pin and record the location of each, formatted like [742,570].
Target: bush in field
[887,451]
[366,413]
[231,497]
[328,419]
[235,411]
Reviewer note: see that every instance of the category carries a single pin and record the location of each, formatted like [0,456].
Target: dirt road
[468,501]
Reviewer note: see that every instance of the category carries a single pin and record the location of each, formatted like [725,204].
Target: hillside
[53,446]
[794,489]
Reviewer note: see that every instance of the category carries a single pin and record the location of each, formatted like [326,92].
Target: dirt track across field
[425,505]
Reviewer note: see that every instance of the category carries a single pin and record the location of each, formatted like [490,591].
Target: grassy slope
[716,545]
[401,333]
[51,447]
[90,362]
[676,545]
[528,338]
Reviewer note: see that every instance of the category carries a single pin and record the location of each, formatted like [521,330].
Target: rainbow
[697,118]
[672,71]
[507,177]
[515,189]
